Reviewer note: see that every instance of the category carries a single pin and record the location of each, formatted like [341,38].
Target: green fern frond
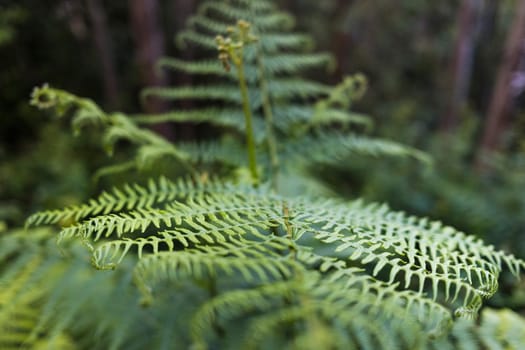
[117,127]
[235,12]
[235,304]
[205,67]
[279,99]
[501,329]
[227,93]
[435,263]
[438,259]
[198,209]
[272,21]
[363,325]
[330,147]
[249,262]
[26,269]
[293,63]
[225,118]
[130,197]
[226,152]
[84,111]
[272,68]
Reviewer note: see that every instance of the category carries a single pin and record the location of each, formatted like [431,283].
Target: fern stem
[289,230]
[268,112]
[268,118]
[250,143]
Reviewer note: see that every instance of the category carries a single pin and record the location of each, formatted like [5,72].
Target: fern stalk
[234,50]
[268,114]
[268,119]
[250,143]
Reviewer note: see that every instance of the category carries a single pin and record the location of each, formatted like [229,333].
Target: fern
[52,301]
[285,105]
[281,98]
[222,263]
[359,270]
[23,287]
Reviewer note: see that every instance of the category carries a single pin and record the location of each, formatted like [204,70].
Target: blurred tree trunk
[288,5]
[468,21]
[343,42]
[182,10]
[485,57]
[102,41]
[501,100]
[149,42]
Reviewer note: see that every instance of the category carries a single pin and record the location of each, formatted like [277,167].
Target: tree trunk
[149,42]
[501,100]
[462,62]
[182,10]
[103,46]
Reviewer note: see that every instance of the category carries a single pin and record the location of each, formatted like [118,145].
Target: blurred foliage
[405,49]
[40,41]
[9,17]
[52,170]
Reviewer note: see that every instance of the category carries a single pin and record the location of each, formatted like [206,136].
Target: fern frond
[293,63]
[131,197]
[439,258]
[199,209]
[235,304]
[501,329]
[252,262]
[422,255]
[205,67]
[369,276]
[227,93]
[85,111]
[329,147]
[23,288]
[225,118]
[227,152]
[116,127]
[111,253]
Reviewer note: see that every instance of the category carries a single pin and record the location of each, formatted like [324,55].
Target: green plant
[287,126]
[224,262]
